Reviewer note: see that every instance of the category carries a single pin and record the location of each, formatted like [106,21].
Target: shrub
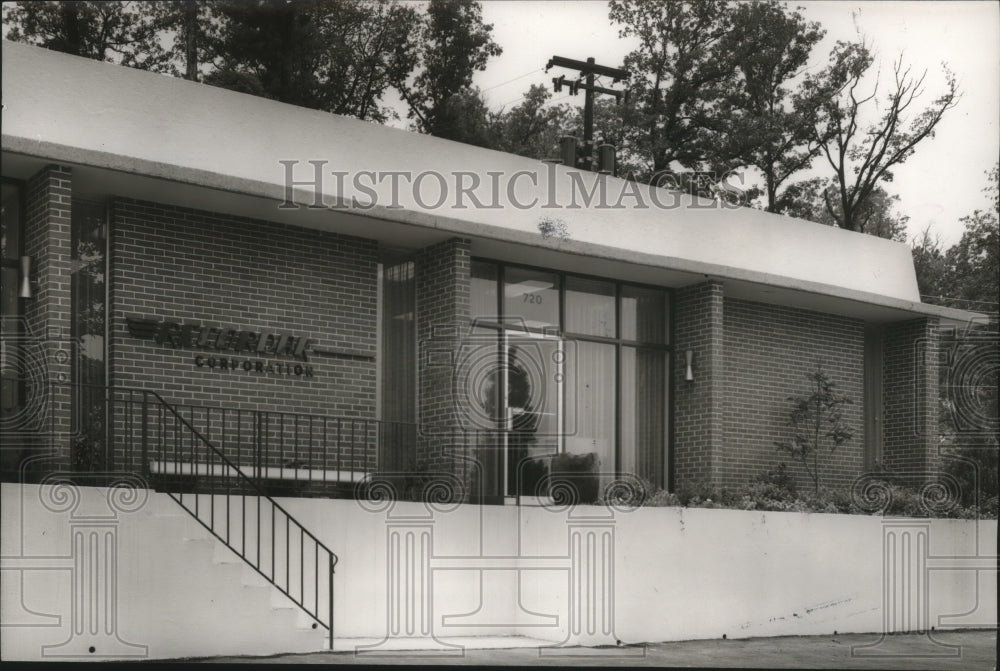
[816,420]
[775,490]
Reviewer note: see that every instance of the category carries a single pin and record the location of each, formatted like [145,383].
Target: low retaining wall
[588,575]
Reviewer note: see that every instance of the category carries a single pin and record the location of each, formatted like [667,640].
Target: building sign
[224,346]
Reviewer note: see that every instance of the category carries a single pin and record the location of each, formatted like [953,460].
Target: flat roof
[141,134]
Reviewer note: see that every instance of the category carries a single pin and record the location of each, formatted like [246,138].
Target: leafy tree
[339,56]
[123,32]
[532,128]
[967,275]
[278,43]
[234,80]
[970,417]
[677,70]
[863,156]
[816,420]
[877,215]
[469,119]
[929,264]
[455,44]
[764,125]
[193,29]
[711,88]
[973,267]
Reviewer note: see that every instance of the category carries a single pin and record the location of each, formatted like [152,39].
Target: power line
[514,79]
[523,96]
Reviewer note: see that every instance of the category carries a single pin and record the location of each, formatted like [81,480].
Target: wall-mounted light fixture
[25,290]
[689,373]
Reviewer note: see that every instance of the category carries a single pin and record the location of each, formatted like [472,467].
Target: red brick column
[910,395]
[47,312]
[698,425]
[443,307]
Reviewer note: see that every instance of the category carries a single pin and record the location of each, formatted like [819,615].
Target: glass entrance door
[533,370]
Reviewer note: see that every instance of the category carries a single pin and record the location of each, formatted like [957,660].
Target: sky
[938,185]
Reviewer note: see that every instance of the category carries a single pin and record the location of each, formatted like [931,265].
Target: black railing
[294,447]
[150,436]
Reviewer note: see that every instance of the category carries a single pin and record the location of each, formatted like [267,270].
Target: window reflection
[88,305]
[607,409]
[590,307]
[644,314]
[531,297]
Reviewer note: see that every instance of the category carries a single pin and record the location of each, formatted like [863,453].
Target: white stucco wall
[74,110]
[674,574]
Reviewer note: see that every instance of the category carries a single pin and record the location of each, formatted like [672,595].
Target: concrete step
[242,606]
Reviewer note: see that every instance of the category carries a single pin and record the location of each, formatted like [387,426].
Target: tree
[814,200]
[967,275]
[862,156]
[929,264]
[455,44]
[765,126]
[470,120]
[278,43]
[339,56]
[191,24]
[123,32]
[972,266]
[676,70]
[815,420]
[532,128]
[370,45]
[710,87]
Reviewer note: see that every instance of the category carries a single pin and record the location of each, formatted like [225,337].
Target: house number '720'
[533,298]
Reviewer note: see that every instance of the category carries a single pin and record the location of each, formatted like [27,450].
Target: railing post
[333,570]
[144,469]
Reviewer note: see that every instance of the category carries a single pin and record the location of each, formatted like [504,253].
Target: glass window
[570,404]
[484,292]
[643,411]
[644,314]
[88,234]
[531,297]
[590,404]
[398,360]
[10,249]
[11,387]
[10,223]
[590,307]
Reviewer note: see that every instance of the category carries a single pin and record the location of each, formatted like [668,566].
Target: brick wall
[48,351]
[443,305]
[221,271]
[910,395]
[698,323]
[769,350]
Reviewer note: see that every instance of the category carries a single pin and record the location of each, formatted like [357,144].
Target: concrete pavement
[965,650]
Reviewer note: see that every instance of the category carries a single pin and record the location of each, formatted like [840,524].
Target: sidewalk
[966,650]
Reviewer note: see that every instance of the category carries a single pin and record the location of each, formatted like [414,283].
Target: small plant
[778,481]
[816,420]
[553,228]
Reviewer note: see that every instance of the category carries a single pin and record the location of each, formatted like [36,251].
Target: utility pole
[585,81]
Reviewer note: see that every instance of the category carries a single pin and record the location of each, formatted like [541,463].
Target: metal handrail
[255,560]
[302,447]
[130,429]
[119,419]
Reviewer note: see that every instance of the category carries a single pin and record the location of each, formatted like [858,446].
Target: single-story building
[204,288]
